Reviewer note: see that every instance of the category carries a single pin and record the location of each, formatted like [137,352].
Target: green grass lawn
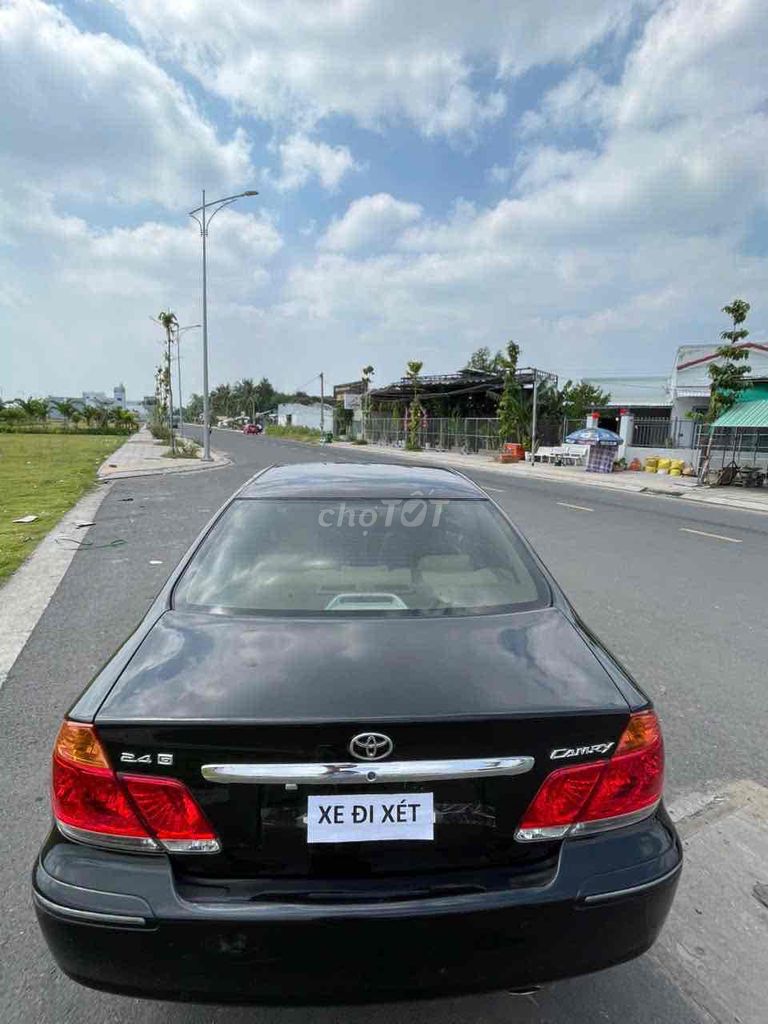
[43,475]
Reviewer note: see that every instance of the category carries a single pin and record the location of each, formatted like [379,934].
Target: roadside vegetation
[184,448]
[298,433]
[244,398]
[43,475]
[33,416]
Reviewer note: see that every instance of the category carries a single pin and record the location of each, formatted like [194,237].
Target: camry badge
[370,746]
[596,748]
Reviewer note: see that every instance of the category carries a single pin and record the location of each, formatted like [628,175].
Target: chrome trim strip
[126,844]
[84,915]
[602,897]
[191,845]
[582,829]
[353,774]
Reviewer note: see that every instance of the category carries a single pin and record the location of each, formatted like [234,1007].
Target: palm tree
[170,325]
[265,397]
[35,408]
[247,393]
[123,418]
[67,408]
[415,410]
[220,399]
[91,414]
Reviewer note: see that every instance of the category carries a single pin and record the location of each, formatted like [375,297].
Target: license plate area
[370,817]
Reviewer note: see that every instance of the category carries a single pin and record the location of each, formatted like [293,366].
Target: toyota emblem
[370,746]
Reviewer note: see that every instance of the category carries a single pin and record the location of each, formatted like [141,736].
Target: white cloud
[595,258]
[547,164]
[302,159]
[581,99]
[86,115]
[498,174]
[140,260]
[301,61]
[83,311]
[370,222]
[698,59]
[607,257]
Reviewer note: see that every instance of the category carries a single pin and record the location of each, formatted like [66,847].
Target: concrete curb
[26,595]
[219,461]
[109,469]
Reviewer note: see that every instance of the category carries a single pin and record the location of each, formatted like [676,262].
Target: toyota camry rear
[361,748]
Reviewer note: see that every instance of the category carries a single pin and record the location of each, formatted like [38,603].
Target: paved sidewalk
[640,483]
[142,455]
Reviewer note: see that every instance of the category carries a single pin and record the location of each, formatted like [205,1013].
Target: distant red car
[252,428]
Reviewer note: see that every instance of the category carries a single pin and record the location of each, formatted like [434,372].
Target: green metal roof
[745,414]
[757,393]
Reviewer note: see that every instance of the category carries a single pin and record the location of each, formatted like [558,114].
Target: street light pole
[206,406]
[204,220]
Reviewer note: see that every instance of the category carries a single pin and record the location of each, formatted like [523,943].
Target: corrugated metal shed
[745,414]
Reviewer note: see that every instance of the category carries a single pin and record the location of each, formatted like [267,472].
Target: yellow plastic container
[649,469]
[663,463]
[676,472]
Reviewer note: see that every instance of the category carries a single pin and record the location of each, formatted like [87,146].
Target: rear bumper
[117,923]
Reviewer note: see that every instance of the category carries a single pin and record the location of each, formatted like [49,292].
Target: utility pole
[322,403]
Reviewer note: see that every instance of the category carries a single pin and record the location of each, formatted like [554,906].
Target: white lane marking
[581,508]
[715,536]
[496,490]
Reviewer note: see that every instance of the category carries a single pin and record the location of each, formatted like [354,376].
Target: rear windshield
[374,557]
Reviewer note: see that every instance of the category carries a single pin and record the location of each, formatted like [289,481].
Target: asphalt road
[684,610]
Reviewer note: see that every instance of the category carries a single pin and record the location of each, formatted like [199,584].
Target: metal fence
[452,433]
[663,433]
[746,446]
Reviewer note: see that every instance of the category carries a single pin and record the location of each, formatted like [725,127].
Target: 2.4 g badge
[127,757]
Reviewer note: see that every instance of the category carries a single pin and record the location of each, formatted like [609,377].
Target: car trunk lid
[208,690]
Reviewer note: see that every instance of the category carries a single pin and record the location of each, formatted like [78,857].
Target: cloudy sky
[588,177]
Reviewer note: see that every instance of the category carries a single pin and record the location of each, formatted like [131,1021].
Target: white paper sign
[362,817]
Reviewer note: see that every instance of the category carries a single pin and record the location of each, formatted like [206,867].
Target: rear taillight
[140,813]
[171,812]
[593,797]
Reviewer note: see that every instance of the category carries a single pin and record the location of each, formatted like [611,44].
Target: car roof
[360,480]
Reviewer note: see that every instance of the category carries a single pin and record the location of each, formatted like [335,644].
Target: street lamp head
[250,193]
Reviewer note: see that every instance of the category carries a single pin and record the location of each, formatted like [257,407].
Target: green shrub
[298,433]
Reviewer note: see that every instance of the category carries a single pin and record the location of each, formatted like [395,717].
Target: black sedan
[360,748]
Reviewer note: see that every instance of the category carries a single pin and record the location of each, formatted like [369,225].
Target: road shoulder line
[28,592]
